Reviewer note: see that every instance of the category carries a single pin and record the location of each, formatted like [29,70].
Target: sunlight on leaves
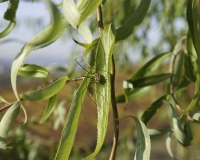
[72,15]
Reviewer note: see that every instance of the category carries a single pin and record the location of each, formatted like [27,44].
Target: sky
[58,52]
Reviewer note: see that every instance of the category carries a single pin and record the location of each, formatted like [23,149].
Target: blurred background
[161,29]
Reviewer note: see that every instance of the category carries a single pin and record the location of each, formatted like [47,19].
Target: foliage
[183,70]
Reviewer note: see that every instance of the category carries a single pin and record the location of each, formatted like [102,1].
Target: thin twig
[100,19]
[115,112]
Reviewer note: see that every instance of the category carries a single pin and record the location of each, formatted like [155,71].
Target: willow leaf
[6,122]
[195,98]
[150,66]
[11,10]
[178,130]
[103,65]
[129,27]
[193,17]
[89,9]
[168,145]
[71,123]
[45,92]
[8,29]
[143,145]
[32,70]
[44,38]
[196,117]
[72,15]
[149,80]
[50,107]
[152,109]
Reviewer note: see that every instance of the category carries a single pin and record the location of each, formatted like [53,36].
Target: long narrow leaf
[32,70]
[193,17]
[8,29]
[150,66]
[44,38]
[11,11]
[45,92]
[195,98]
[129,27]
[50,107]
[149,80]
[72,15]
[178,130]
[196,117]
[168,144]
[6,122]
[143,145]
[103,67]
[152,109]
[89,9]
[190,63]
[71,123]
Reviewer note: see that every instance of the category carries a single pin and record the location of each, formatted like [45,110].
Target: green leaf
[11,10]
[194,100]
[143,145]
[133,94]
[103,67]
[72,15]
[81,4]
[45,92]
[152,109]
[8,29]
[150,66]
[183,84]
[71,123]
[179,133]
[89,9]
[50,108]
[2,100]
[134,21]
[190,20]
[193,17]
[168,144]
[196,117]
[32,70]
[42,39]
[188,131]
[150,80]
[6,122]
[190,64]
[88,47]
[178,68]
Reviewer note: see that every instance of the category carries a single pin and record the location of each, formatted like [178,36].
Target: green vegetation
[165,80]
